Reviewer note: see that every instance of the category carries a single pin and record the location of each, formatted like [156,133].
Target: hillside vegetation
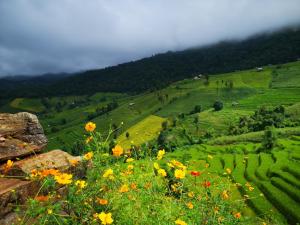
[239,130]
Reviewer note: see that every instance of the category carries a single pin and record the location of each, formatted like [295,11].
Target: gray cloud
[71,35]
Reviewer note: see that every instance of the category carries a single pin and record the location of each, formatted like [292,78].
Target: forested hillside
[160,70]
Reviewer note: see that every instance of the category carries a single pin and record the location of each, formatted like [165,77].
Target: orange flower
[133,186]
[195,173]
[90,127]
[42,198]
[74,162]
[206,184]
[8,165]
[117,151]
[102,201]
[48,172]
[237,215]
[35,173]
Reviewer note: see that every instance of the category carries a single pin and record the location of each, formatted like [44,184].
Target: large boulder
[21,134]
[55,159]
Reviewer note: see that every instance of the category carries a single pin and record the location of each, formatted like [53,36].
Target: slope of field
[143,131]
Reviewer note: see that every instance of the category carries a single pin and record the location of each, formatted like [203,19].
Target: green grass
[252,164]
[287,206]
[143,131]
[265,161]
[31,105]
[292,191]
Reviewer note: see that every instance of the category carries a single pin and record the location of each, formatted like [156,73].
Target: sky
[40,36]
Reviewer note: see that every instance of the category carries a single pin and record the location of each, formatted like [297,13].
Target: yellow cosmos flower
[210,156]
[124,188]
[225,195]
[88,155]
[80,184]
[180,222]
[64,178]
[105,218]
[130,167]
[228,171]
[179,174]
[109,173]
[160,154]
[162,172]
[88,139]
[156,166]
[129,160]
[8,165]
[117,151]
[191,194]
[90,127]
[190,205]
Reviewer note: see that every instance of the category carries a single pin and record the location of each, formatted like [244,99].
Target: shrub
[269,139]
[218,105]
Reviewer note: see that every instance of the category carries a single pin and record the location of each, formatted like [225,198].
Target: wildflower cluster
[119,188]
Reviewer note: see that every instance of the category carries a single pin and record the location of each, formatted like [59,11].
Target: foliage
[218,105]
[120,189]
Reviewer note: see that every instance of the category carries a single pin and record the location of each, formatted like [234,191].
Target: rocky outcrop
[21,140]
[21,134]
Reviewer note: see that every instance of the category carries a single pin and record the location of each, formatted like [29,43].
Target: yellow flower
[179,174]
[88,155]
[124,188]
[191,194]
[156,166]
[8,165]
[251,188]
[105,218]
[117,151]
[160,154]
[210,156]
[129,160]
[190,205]
[180,222]
[225,195]
[109,173]
[228,171]
[64,178]
[49,211]
[90,127]
[162,172]
[88,139]
[130,167]
[81,184]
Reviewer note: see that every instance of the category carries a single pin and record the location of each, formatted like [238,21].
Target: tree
[218,105]
[164,125]
[269,139]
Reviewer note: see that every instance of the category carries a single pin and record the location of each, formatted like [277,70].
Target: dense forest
[160,70]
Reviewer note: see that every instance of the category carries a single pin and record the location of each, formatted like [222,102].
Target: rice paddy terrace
[269,182]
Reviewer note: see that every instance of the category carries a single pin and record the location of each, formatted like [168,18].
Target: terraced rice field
[269,182]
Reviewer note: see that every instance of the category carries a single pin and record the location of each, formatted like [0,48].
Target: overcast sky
[39,36]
